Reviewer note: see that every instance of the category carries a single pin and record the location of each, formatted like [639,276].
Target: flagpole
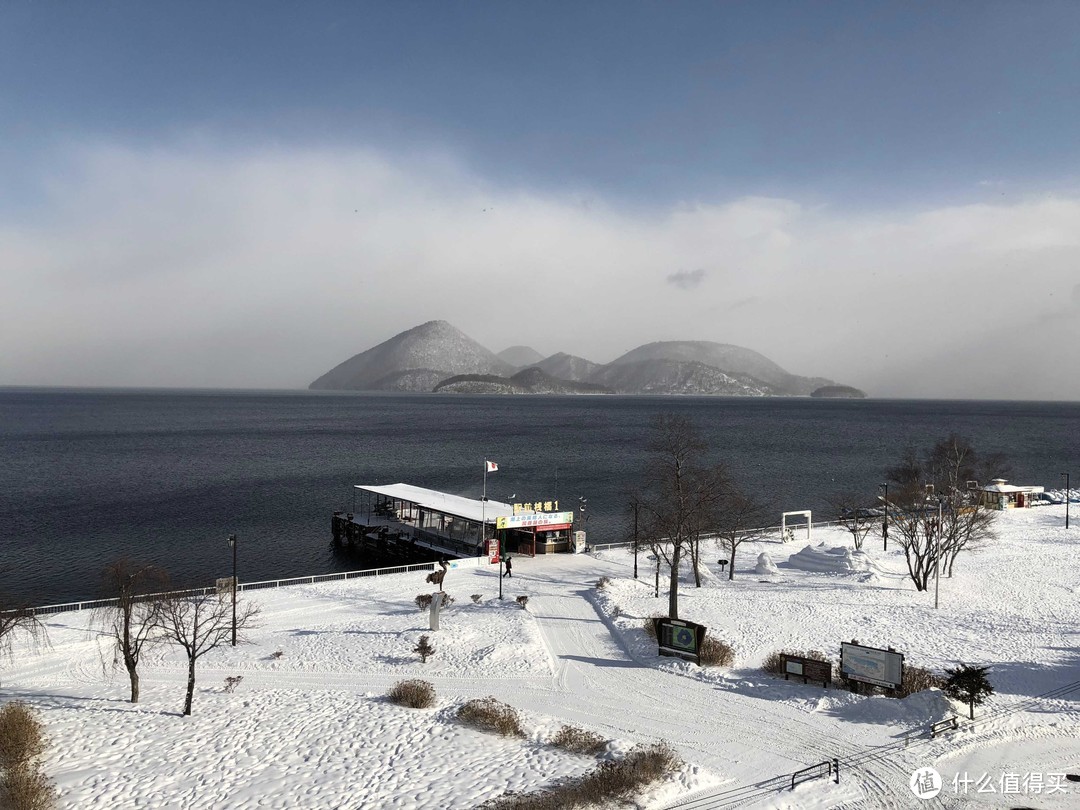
[483,514]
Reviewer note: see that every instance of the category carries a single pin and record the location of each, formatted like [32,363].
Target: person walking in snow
[509,568]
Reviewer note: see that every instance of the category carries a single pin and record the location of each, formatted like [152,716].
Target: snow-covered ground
[312,728]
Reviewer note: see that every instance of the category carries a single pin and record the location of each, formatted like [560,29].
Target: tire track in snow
[563,620]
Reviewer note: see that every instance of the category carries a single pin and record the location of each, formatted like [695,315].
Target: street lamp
[1065,475]
[635,506]
[233,544]
[584,518]
[885,521]
[937,552]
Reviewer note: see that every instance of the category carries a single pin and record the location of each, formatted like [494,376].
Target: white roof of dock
[999,485]
[468,508]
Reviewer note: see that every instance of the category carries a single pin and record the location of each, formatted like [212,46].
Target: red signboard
[493,551]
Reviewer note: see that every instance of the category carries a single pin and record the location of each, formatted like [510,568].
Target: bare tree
[678,496]
[965,525]
[200,623]
[18,619]
[740,518]
[134,619]
[852,517]
[914,527]
[941,474]
[954,461]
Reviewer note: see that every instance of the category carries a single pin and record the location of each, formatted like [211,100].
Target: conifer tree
[969,684]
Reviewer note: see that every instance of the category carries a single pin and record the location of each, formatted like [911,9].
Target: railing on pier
[91,604]
[764,532]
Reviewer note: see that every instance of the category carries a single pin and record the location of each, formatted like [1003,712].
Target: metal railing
[830,767]
[817,524]
[948,724]
[91,604]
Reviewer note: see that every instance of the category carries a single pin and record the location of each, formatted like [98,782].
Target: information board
[680,639]
[872,665]
[809,669]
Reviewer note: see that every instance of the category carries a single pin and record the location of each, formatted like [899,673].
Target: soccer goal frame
[784,531]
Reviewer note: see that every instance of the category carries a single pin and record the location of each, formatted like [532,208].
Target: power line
[736,795]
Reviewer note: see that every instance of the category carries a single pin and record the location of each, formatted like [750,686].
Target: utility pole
[937,553]
[233,543]
[885,520]
[1065,475]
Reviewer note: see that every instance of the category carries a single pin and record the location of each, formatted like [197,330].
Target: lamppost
[937,552]
[885,520]
[232,543]
[584,518]
[1065,475]
[635,506]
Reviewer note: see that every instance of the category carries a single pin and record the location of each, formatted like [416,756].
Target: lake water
[165,476]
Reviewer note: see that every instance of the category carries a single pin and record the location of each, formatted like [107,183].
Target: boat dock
[415,524]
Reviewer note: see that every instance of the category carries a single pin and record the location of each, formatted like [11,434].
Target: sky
[244,195]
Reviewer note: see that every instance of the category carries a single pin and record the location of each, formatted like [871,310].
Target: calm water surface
[164,476]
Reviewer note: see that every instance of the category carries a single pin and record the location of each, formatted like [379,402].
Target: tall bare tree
[740,517]
[914,527]
[18,619]
[134,619]
[941,474]
[679,495]
[201,623]
[848,513]
[964,526]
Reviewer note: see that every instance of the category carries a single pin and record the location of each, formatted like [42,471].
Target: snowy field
[312,728]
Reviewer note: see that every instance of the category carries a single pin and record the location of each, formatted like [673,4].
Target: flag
[491,466]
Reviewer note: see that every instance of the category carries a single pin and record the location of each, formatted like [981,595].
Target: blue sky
[843,101]
[877,114]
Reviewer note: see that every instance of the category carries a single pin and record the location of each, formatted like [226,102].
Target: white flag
[491,466]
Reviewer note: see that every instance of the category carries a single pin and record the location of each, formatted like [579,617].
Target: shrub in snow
[523,601]
[476,598]
[578,740]
[649,624]
[609,784]
[447,600]
[415,694]
[22,742]
[423,601]
[277,654]
[424,649]
[716,653]
[488,714]
[22,736]
[917,679]
[603,582]
[232,682]
[26,789]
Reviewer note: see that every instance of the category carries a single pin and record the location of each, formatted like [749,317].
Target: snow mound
[836,560]
[765,565]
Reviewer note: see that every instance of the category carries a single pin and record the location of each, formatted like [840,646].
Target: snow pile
[765,565]
[836,560]
[1059,496]
[311,728]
